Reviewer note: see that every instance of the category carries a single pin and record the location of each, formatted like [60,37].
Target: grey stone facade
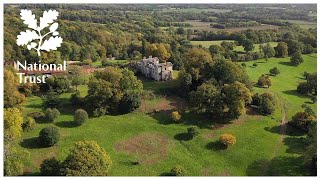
[151,68]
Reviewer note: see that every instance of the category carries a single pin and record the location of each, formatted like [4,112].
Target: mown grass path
[282,132]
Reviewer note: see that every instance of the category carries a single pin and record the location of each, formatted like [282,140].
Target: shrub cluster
[227,139]
[178,171]
[28,124]
[80,117]
[52,114]
[193,132]
[49,136]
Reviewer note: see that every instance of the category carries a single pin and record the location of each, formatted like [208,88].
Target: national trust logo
[40,37]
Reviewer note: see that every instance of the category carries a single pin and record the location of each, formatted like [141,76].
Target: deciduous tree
[87,158]
[248,45]
[274,71]
[227,139]
[296,58]
[237,95]
[264,81]
[12,97]
[196,60]
[12,123]
[281,50]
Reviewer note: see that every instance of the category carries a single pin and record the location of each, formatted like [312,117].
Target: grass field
[205,26]
[207,44]
[98,63]
[304,24]
[196,10]
[286,83]
[151,137]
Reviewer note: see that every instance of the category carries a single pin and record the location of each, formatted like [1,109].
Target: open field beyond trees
[207,44]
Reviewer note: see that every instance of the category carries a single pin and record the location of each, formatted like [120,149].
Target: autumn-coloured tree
[176,116]
[227,139]
[12,97]
[195,62]
[163,52]
[14,159]
[302,120]
[28,124]
[264,81]
[12,123]
[159,50]
[87,158]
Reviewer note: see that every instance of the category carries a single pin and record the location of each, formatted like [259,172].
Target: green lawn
[98,63]
[159,144]
[286,83]
[207,44]
[304,24]
[199,156]
[196,10]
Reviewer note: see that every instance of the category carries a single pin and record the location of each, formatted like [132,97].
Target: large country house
[151,68]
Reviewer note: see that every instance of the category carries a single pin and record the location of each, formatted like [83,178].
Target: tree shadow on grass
[163,117]
[166,174]
[302,78]
[202,120]
[290,130]
[183,137]
[261,62]
[42,120]
[31,174]
[258,168]
[294,93]
[285,63]
[278,166]
[309,102]
[34,106]
[67,109]
[31,143]
[295,145]
[129,163]
[216,146]
[66,124]
[189,118]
